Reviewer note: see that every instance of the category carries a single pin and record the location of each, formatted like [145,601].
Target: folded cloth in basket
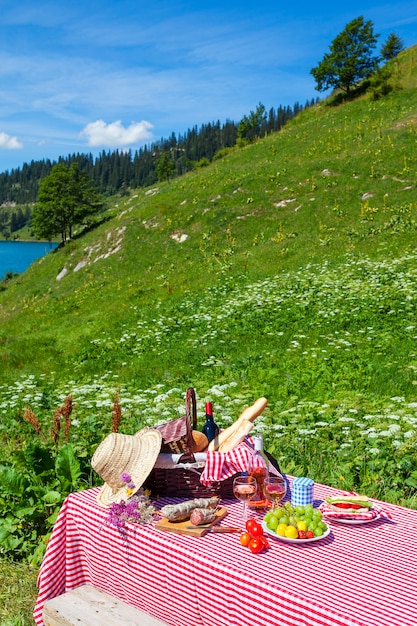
[171,461]
[222,465]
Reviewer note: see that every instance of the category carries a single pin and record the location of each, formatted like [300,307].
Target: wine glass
[275,489]
[244,488]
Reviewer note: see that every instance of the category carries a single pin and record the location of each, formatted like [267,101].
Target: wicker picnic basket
[183,480]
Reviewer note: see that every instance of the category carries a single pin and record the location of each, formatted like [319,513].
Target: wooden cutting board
[186,528]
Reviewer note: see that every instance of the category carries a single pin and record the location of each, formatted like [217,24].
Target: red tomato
[264,541]
[256,530]
[256,545]
[245,539]
[251,522]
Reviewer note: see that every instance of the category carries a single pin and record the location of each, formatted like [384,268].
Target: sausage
[182,511]
[202,516]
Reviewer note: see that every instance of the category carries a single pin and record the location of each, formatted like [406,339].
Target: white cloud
[114,135]
[9,143]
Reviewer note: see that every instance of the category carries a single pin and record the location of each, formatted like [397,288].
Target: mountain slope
[336,181]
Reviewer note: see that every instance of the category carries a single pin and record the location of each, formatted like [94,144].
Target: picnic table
[359,575]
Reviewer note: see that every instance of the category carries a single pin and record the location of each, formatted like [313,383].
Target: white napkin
[169,461]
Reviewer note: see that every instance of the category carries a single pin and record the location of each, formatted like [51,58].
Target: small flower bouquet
[136,509]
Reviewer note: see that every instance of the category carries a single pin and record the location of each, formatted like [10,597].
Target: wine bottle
[210,428]
[259,469]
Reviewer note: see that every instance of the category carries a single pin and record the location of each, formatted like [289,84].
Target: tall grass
[17,593]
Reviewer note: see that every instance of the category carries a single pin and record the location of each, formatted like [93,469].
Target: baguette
[232,436]
[236,436]
[252,412]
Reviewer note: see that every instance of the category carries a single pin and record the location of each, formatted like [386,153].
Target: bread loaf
[252,412]
[232,436]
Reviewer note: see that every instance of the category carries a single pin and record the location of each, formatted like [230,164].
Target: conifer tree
[392,47]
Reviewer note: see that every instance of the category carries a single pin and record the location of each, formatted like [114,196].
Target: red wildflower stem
[29,416]
[116,415]
[66,411]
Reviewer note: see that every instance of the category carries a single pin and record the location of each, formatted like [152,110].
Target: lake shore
[16,256]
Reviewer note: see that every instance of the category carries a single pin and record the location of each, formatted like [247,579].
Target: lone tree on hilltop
[350,59]
[65,198]
[392,47]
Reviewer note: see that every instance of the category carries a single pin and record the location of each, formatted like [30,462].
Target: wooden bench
[88,606]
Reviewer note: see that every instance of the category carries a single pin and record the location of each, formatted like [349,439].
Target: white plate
[347,520]
[273,534]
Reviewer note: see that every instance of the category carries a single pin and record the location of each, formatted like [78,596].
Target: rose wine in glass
[275,489]
[244,488]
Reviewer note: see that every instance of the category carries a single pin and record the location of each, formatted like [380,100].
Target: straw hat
[119,454]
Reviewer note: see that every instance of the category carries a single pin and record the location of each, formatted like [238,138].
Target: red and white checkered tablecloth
[357,576]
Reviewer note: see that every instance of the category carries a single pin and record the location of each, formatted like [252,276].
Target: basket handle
[191,415]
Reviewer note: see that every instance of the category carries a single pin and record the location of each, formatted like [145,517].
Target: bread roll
[200,441]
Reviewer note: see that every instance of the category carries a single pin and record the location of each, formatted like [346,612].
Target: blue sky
[91,76]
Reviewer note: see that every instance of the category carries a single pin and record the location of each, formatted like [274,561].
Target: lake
[16,256]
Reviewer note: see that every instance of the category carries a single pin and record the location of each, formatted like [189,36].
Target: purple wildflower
[136,510]
[126,478]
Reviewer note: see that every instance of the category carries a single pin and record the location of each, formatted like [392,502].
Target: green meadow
[286,269]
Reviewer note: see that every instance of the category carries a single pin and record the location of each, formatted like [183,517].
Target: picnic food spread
[125,462]
[200,578]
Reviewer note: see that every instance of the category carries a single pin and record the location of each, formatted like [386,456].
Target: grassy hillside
[285,269]
[338,180]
